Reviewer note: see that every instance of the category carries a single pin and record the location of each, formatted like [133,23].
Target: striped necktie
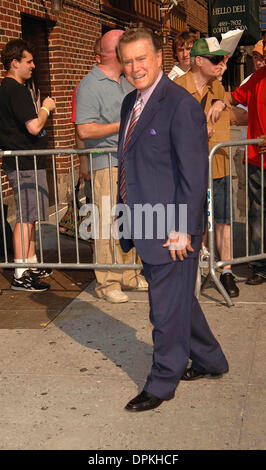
[136,112]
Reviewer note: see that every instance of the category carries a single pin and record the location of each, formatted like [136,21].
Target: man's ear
[198,60]
[160,55]
[14,64]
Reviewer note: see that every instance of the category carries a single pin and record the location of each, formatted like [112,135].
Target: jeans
[221,196]
[254,186]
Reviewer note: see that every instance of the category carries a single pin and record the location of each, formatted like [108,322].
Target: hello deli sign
[226,15]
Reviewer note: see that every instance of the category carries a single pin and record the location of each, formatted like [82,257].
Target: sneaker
[41,272]
[28,282]
[140,284]
[115,297]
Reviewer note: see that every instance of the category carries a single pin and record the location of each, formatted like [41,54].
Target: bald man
[99,98]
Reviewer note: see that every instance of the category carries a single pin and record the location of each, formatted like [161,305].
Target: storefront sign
[225,15]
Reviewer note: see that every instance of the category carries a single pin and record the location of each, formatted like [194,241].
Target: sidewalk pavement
[70,362]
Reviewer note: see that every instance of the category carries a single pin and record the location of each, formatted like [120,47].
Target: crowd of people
[203,80]
[164,128]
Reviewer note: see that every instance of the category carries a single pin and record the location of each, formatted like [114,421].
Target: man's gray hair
[135,34]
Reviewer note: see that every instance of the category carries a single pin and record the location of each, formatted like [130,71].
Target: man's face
[258,60]
[24,67]
[183,53]
[208,69]
[141,63]
[264,46]
[108,46]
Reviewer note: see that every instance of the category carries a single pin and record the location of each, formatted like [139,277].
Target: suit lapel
[124,119]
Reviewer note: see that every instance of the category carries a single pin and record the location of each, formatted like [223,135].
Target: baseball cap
[259,47]
[207,46]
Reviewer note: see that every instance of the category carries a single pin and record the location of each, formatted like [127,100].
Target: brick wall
[68,56]
[197,15]
[168,59]
[71,37]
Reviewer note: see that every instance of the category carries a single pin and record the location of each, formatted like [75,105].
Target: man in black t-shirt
[21,128]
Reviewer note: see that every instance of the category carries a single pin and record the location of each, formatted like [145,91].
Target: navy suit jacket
[166,163]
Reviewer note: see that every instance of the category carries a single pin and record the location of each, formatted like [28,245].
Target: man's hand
[210,131]
[34,126]
[179,244]
[238,116]
[49,103]
[262,145]
[215,111]
[84,167]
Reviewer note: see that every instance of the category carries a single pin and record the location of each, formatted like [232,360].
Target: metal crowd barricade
[59,264]
[210,262]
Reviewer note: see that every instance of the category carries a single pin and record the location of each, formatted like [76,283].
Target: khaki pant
[113,279]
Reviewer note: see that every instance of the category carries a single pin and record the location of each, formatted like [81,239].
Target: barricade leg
[220,287]
[198,282]
[206,281]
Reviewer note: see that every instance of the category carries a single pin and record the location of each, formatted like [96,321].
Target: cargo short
[28,194]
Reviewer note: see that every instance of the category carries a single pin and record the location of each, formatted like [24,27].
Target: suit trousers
[113,279]
[180,330]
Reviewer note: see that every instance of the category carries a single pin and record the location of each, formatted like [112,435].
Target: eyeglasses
[214,59]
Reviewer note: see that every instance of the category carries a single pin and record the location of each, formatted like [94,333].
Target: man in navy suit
[163,164]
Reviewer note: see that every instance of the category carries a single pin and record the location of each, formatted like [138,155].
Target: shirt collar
[191,86]
[145,95]
[100,75]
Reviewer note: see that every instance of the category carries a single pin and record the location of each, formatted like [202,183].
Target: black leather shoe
[255,280]
[228,281]
[193,374]
[143,402]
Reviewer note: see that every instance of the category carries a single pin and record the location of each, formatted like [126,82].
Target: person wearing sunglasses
[207,59]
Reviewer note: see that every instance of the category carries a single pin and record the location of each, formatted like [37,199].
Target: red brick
[71,54]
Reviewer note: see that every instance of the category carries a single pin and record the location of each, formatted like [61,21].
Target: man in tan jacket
[201,81]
